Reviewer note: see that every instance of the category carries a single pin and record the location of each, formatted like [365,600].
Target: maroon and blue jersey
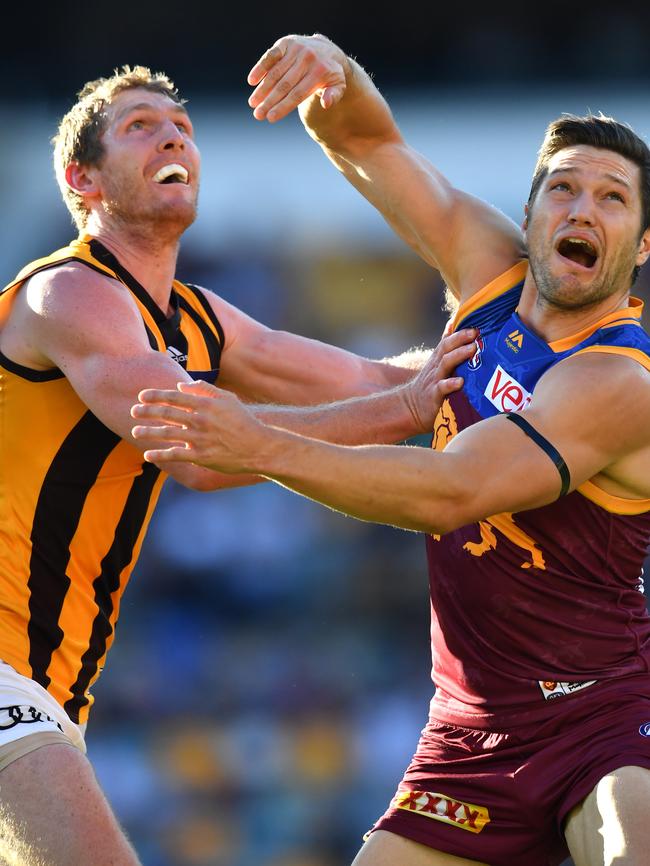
[534,606]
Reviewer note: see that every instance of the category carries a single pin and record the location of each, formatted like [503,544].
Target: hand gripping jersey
[528,608]
[75,499]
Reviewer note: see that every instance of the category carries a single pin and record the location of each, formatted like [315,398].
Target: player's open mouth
[172,173]
[578,250]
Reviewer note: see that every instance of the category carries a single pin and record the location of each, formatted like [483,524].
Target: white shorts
[30,717]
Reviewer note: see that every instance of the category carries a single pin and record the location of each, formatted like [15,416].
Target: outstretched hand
[200,424]
[292,70]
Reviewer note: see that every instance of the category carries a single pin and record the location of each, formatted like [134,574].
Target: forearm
[407,487]
[283,368]
[383,417]
[198,423]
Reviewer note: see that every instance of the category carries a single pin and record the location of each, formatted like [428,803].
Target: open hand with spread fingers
[198,423]
[201,424]
[426,391]
[292,70]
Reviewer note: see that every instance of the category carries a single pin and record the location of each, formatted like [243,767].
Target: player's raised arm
[467,240]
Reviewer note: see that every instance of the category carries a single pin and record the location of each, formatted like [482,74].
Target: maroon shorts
[501,798]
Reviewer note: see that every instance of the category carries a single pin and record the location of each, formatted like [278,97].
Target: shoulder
[613,375]
[599,399]
[72,310]
[74,288]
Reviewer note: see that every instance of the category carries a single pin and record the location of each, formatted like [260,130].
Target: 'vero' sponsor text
[505,392]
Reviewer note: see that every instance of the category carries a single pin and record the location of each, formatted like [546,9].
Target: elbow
[207,481]
[204,484]
[194,477]
[442,515]
[435,524]
[200,487]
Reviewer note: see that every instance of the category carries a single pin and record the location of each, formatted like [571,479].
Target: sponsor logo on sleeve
[440,807]
[504,392]
[551,689]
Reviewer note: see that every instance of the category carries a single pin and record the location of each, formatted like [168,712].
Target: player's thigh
[611,825]
[389,849]
[53,813]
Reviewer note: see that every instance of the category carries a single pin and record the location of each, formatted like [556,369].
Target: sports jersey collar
[501,284]
[105,257]
[631,314]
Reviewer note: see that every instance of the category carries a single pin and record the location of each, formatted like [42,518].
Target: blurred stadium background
[271,668]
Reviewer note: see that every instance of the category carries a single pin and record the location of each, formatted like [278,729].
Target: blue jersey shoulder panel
[511,358]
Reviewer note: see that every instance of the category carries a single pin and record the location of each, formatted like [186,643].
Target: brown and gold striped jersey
[75,499]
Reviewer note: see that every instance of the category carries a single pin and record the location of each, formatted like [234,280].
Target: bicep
[94,334]
[264,365]
[501,468]
[109,384]
[494,467]
[106,357]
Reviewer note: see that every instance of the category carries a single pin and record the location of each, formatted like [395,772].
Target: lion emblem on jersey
[445,427]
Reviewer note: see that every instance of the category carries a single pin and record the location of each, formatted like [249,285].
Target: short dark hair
[80,132]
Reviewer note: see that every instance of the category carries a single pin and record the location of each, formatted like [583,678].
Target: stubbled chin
[166,223]
[570,293]
[570,272]
[177,222]
[183,213]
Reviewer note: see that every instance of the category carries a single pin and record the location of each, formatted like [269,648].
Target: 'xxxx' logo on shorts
[644,730]
[467,816]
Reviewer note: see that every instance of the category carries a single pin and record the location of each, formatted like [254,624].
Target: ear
[524,225]
[644,248]
[81,179]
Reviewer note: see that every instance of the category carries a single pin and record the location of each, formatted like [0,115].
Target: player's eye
[185,127]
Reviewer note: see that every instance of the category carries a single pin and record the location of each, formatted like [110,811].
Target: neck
[150,258]
[553,323]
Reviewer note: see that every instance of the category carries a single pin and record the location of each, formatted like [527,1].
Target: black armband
[546,446]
